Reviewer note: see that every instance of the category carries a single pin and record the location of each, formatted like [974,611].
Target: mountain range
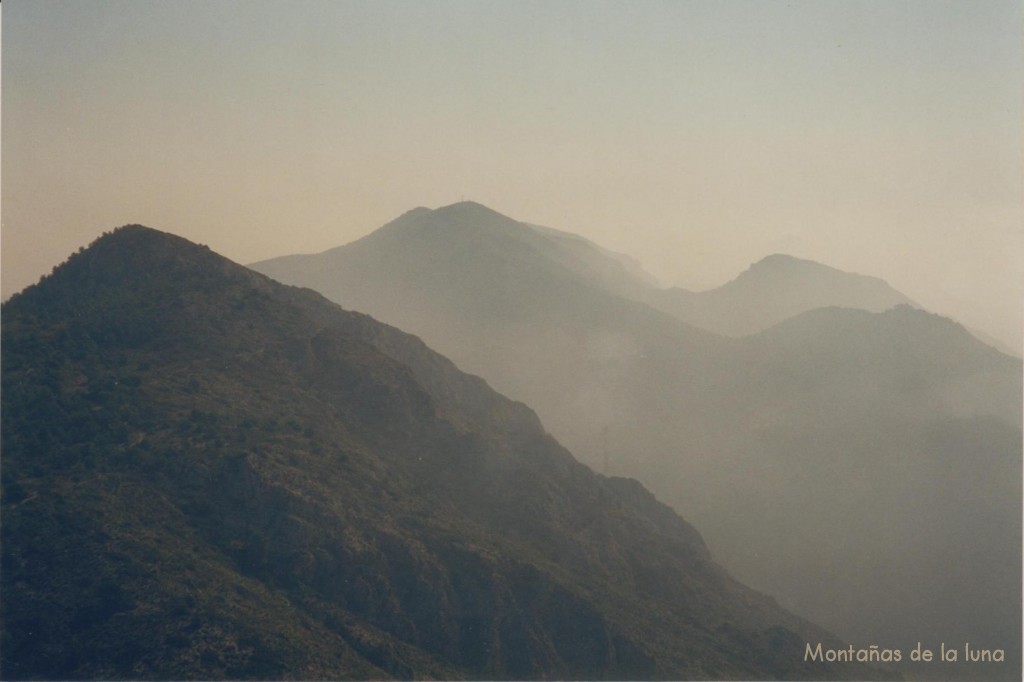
[839,448]
[208,474]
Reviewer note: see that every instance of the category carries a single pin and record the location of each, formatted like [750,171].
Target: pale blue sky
[879,137]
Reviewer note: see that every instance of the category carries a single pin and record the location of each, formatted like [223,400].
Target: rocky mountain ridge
[210,474]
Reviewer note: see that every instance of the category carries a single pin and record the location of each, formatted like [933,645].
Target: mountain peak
[774,288]
[126,252]
[138,240]
[135,266]
[471,213]
[469,208]
[465,217]
[785,265]
[143,236]
[780,260]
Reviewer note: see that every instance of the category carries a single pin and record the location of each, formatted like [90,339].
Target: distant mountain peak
[781,264]
[469,210]
[465,205]
[773,258]
[779,269]
[465,217]
[459,207]
[774,288]
[480,252]
[780,260]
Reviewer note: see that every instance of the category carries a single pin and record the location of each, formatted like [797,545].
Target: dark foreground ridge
[208,474]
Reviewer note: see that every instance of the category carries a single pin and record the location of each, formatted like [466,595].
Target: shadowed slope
[209,474]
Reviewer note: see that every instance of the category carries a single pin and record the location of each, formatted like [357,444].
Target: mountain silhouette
[208,474]
[772,290]
[854,463]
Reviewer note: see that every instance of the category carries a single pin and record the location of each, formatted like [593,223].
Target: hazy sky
[879,137]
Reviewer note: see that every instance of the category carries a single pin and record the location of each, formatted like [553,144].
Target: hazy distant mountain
[519,304]
[771,290]
[881,454]
[475,232]
[852,463]
[210,475]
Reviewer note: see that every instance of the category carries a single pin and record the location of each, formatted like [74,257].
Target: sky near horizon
[879,137]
